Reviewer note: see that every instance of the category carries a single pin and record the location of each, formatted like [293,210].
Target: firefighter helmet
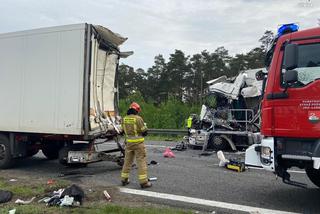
[135,106]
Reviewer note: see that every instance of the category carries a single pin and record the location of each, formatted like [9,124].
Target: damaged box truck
[57,88]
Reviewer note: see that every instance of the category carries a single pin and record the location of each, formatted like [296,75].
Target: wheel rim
[2,152]
[217,141]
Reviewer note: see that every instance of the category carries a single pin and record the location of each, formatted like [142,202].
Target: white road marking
[219,204]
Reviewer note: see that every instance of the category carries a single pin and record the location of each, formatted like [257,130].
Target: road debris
[5,196]
[236,166]
[67,201]
[223,160]
[106,195]
[168,153]
[153,162]
[153,179]
[180,146]
[13,180]
[71,196]
[50,181]
[19,201]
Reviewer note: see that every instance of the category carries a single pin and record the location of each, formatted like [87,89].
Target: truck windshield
[308,64]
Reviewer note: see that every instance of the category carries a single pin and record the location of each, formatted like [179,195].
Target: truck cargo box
[59,80]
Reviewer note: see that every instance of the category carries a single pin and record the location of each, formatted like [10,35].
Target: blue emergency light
[287,28]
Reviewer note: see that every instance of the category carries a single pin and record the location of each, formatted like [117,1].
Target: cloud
[160,26]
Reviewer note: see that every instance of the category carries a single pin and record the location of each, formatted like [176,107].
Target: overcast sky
[159,26]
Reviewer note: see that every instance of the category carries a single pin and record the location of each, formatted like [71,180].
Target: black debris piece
[74,191]
[5,196]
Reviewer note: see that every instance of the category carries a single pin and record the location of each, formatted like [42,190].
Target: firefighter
[135,130]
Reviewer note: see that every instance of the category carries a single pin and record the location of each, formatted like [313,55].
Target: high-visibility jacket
[189,122]
[133,127]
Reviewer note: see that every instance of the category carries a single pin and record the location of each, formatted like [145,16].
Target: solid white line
[204,202]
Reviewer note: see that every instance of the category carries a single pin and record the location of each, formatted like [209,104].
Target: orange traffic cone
[168,153]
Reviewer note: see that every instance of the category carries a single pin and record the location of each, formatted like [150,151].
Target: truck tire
[314,175]
[51,150]
[6,160]
[218,143]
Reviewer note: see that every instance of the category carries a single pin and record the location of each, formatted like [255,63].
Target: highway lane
[196,177]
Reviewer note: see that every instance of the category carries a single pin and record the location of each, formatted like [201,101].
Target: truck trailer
[58,88]
[290,112]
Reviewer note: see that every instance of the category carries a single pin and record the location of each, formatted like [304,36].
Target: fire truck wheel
[314,175]
[6,160]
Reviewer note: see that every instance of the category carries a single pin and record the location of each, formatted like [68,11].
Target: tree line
[184,77]
[170,91]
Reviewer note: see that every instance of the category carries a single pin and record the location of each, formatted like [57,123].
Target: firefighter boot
[146,185]
[125,181]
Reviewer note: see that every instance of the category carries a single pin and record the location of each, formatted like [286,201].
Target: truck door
[298,115]
[102,88]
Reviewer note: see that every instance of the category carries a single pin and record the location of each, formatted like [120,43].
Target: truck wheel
[51,150]
[218,143]
[314,175]
[6,160]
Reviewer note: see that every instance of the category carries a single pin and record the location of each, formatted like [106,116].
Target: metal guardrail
[168,131]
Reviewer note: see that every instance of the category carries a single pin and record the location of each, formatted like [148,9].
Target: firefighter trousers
[135,151]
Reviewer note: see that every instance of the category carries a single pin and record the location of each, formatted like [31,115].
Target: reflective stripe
[135,130]
[124,175]
[135,140]
[143,177]
[129,120]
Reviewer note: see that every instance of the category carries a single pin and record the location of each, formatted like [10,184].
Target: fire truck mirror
[291,56]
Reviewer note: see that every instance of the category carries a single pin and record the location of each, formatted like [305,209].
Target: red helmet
[135,106]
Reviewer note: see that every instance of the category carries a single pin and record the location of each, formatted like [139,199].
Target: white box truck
[57,86]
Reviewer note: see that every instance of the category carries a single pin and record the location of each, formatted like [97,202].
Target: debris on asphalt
[153,179]
[19,201]
[168,153]
[153,162]
[5,196]
[106,195]
[238,166]
[223,160]
[180,146]
[13,211]
[13,180]
[234,165]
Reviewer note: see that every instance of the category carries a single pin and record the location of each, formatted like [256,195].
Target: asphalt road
[189,174]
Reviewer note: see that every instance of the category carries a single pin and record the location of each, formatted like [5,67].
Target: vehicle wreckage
[229,117]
